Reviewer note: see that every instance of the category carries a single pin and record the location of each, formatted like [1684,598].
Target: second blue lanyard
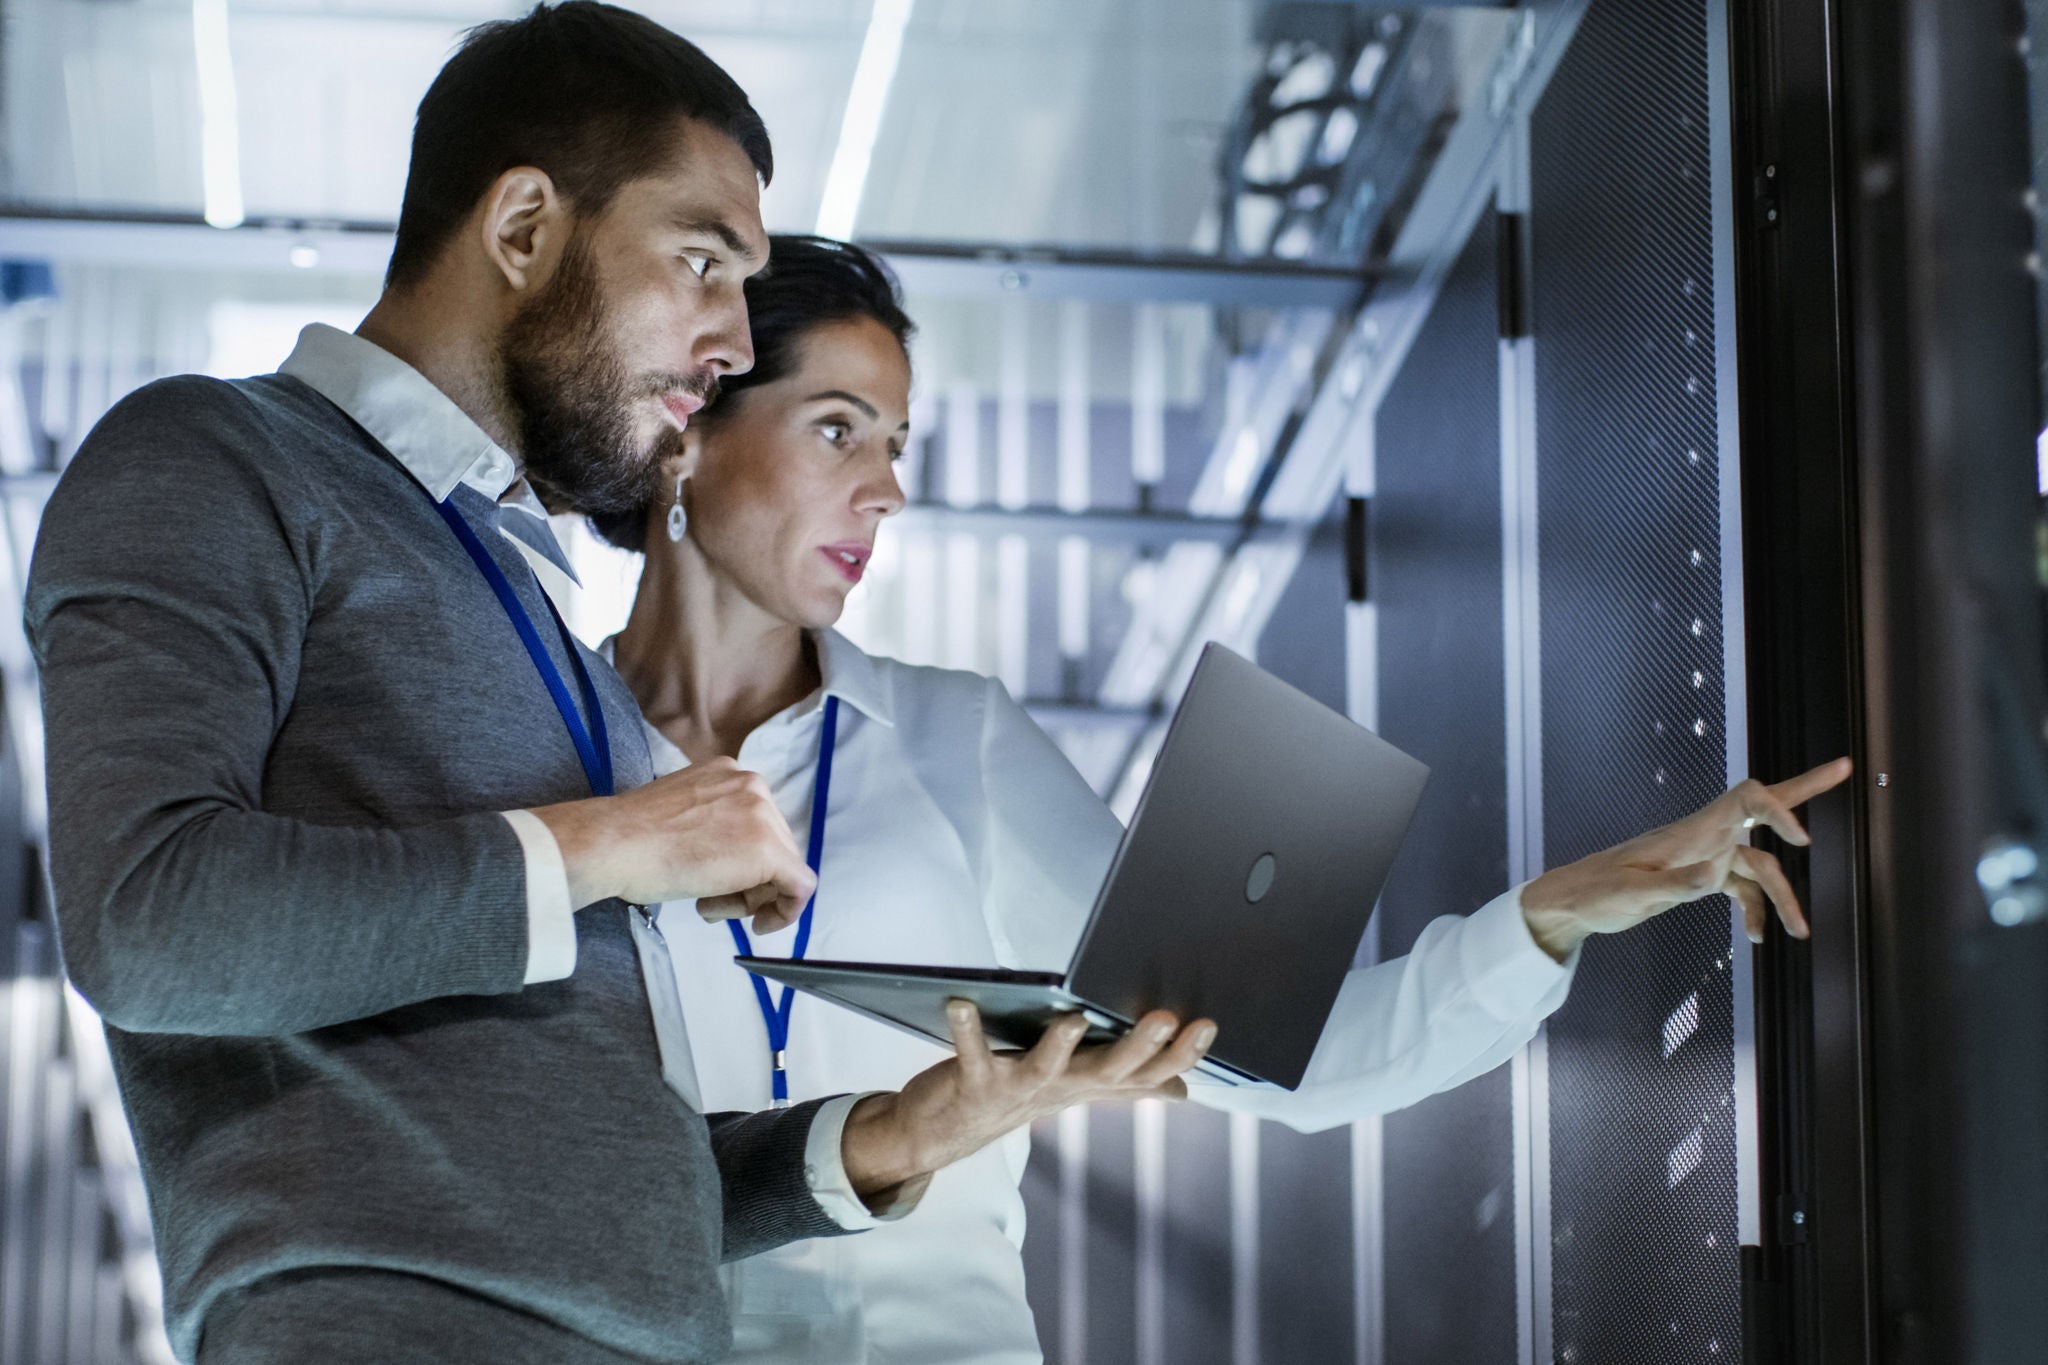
[775,1013]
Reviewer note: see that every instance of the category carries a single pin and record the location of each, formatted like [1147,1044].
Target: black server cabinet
[1584,1206]
[1630,1250]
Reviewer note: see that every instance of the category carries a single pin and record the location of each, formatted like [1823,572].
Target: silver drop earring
[678,519]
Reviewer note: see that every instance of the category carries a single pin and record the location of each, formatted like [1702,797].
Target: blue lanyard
[594,750]
[775,1014]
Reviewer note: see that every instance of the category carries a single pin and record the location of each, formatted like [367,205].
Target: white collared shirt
[441,446]
[959,835]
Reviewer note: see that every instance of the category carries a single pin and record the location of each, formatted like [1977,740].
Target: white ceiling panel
[1089,122]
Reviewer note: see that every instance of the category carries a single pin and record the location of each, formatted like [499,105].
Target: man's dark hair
[587,92]
[810,282]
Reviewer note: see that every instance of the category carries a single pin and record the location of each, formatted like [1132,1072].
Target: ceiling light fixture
[873,74]
[220,151]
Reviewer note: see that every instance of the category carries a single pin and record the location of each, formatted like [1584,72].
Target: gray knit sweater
[283,709]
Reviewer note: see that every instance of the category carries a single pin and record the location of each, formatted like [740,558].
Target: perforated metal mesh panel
[1643,1173]
[1436,575]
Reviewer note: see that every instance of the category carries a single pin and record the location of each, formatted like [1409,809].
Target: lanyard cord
[775,1014]
[595,751]
[593,748]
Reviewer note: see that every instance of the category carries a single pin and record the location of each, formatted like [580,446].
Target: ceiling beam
[927,268]
[938,268]
[1102,527]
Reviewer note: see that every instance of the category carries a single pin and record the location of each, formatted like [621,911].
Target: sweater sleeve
[167,606]
[761,1169]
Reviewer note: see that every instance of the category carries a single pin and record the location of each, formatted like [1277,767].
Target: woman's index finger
[1797,791]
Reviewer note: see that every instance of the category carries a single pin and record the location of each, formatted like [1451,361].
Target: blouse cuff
[1511,977]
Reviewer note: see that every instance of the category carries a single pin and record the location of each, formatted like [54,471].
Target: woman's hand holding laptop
[893,1143]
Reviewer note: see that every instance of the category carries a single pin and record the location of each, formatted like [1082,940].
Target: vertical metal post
[1734,634]
[1244,1240]
[1073,1140]
[29,1026]
[1074,494]
[17,434]
[1522,656]
[59,1148]
[906,613]
[1148,1137]
[1013,490]
[920,579]
[95,307]
[1362,703]
[88,1216]
[1812,1287]
[1148,399]
[1368,1241]
[109,1295]
[961,646]
[1529,1077]
[60,362]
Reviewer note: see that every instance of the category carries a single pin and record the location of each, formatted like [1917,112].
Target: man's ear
[524,226]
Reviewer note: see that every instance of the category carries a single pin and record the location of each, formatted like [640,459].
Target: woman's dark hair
[809,282]
[587,92]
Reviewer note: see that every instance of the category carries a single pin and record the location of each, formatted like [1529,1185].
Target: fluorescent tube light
[872,77]
[219,130]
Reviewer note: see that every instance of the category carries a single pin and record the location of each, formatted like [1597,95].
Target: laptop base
[1016,1007]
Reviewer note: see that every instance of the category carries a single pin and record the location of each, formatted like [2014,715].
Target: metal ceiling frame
[1330,410]
[1389,87]
[929,268]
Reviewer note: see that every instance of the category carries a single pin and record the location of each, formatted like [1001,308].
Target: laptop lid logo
[1261,880]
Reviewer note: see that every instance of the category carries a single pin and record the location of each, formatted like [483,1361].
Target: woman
[955,832]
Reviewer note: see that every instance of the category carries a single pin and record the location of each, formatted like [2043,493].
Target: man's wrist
[825,1173]
[878,1156]
[581,833]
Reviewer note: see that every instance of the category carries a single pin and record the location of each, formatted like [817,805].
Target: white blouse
[959,835]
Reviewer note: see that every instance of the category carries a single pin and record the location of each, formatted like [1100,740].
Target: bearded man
[351,840]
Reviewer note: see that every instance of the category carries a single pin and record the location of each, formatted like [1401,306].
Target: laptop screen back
[1245,882]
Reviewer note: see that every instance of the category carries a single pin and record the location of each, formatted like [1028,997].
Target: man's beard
[573,403]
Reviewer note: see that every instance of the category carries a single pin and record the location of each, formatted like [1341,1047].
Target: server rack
[1890,346]
[1546,605]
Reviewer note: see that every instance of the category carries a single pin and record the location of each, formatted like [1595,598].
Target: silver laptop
[1239,893]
